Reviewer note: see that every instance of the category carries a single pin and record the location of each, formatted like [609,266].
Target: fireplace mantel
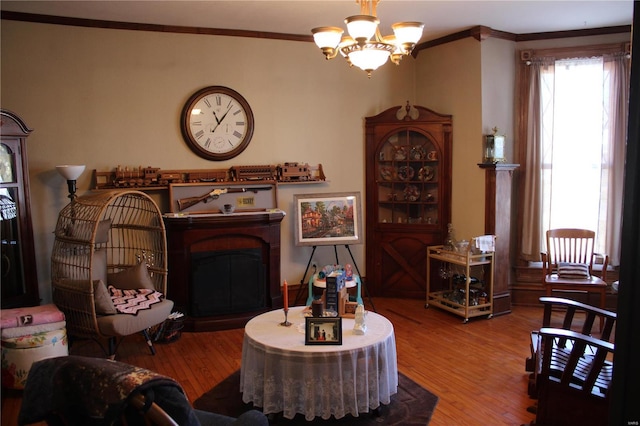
[188,235]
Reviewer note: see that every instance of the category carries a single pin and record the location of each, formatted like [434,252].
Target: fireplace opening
[227,282]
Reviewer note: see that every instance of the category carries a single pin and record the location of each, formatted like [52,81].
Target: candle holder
[285,323]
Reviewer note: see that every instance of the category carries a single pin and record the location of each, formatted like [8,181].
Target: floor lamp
[71,174]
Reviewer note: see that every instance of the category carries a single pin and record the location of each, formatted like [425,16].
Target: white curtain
[532,194]
[618,67]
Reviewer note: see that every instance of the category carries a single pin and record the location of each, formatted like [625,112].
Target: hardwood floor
[476,369]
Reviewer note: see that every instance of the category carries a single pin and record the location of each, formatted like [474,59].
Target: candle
[316,308]
[285,292]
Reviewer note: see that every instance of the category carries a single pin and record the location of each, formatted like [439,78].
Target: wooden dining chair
[567,265]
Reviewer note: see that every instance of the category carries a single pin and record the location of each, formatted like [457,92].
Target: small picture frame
[323,331]
[350,309]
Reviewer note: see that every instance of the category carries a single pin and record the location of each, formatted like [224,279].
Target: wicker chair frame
[136,234]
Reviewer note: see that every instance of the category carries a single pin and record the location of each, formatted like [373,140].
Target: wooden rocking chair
[575,379]
[571,368]
[568,314]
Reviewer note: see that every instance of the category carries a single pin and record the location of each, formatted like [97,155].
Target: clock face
[217,123]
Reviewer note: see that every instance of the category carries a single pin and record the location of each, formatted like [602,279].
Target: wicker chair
[97,236]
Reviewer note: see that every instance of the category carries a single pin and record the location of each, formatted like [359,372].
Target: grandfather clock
[19,281]
[497,221]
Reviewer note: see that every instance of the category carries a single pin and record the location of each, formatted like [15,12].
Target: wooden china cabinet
[19,282]
[408,196]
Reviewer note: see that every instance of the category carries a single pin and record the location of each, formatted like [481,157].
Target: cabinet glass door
[407,179]
[13,282]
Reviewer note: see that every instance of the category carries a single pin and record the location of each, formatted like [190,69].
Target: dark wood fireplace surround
[187,235]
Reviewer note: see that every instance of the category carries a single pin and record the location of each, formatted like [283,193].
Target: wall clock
[217,123]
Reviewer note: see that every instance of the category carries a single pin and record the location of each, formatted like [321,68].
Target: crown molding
[481,33]
[118,25]
[478,32]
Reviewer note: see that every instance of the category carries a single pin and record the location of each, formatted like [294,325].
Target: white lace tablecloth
[279,373]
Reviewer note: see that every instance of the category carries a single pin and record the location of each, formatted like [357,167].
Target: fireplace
[223,269]
[227,282]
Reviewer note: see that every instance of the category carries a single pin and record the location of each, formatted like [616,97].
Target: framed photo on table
[328,219]
[323,331]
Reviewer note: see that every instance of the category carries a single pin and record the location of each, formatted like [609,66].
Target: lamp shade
[408,32]
[327,36]
[372,56]
[362,27]
[70,172]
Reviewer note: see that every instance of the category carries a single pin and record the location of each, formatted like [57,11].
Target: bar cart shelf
[467,296]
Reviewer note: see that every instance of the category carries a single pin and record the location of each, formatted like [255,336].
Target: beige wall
[498,67]
[111,97]
[575,41]
[449,82]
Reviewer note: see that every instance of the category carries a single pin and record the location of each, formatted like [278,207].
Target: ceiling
[441,18]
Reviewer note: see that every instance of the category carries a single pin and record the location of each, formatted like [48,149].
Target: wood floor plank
[476,369]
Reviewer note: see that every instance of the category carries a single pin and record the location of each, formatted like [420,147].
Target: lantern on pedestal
[494,148]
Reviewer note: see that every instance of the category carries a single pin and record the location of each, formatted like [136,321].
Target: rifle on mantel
[185,203]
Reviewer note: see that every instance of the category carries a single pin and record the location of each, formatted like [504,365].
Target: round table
[279,373]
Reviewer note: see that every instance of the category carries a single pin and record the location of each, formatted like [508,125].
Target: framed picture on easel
[328,219]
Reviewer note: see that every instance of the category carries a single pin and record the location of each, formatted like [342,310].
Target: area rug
[412,405]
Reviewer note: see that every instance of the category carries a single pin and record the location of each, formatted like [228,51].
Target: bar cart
[460,293]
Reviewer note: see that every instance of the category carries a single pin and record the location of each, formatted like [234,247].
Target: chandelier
[365,47]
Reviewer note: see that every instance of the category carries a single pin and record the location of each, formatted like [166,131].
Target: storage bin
[30,334]
[18,353]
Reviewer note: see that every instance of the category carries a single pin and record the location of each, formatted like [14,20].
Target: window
[574,136]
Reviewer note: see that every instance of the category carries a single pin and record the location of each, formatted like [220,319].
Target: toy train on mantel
[125,177]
